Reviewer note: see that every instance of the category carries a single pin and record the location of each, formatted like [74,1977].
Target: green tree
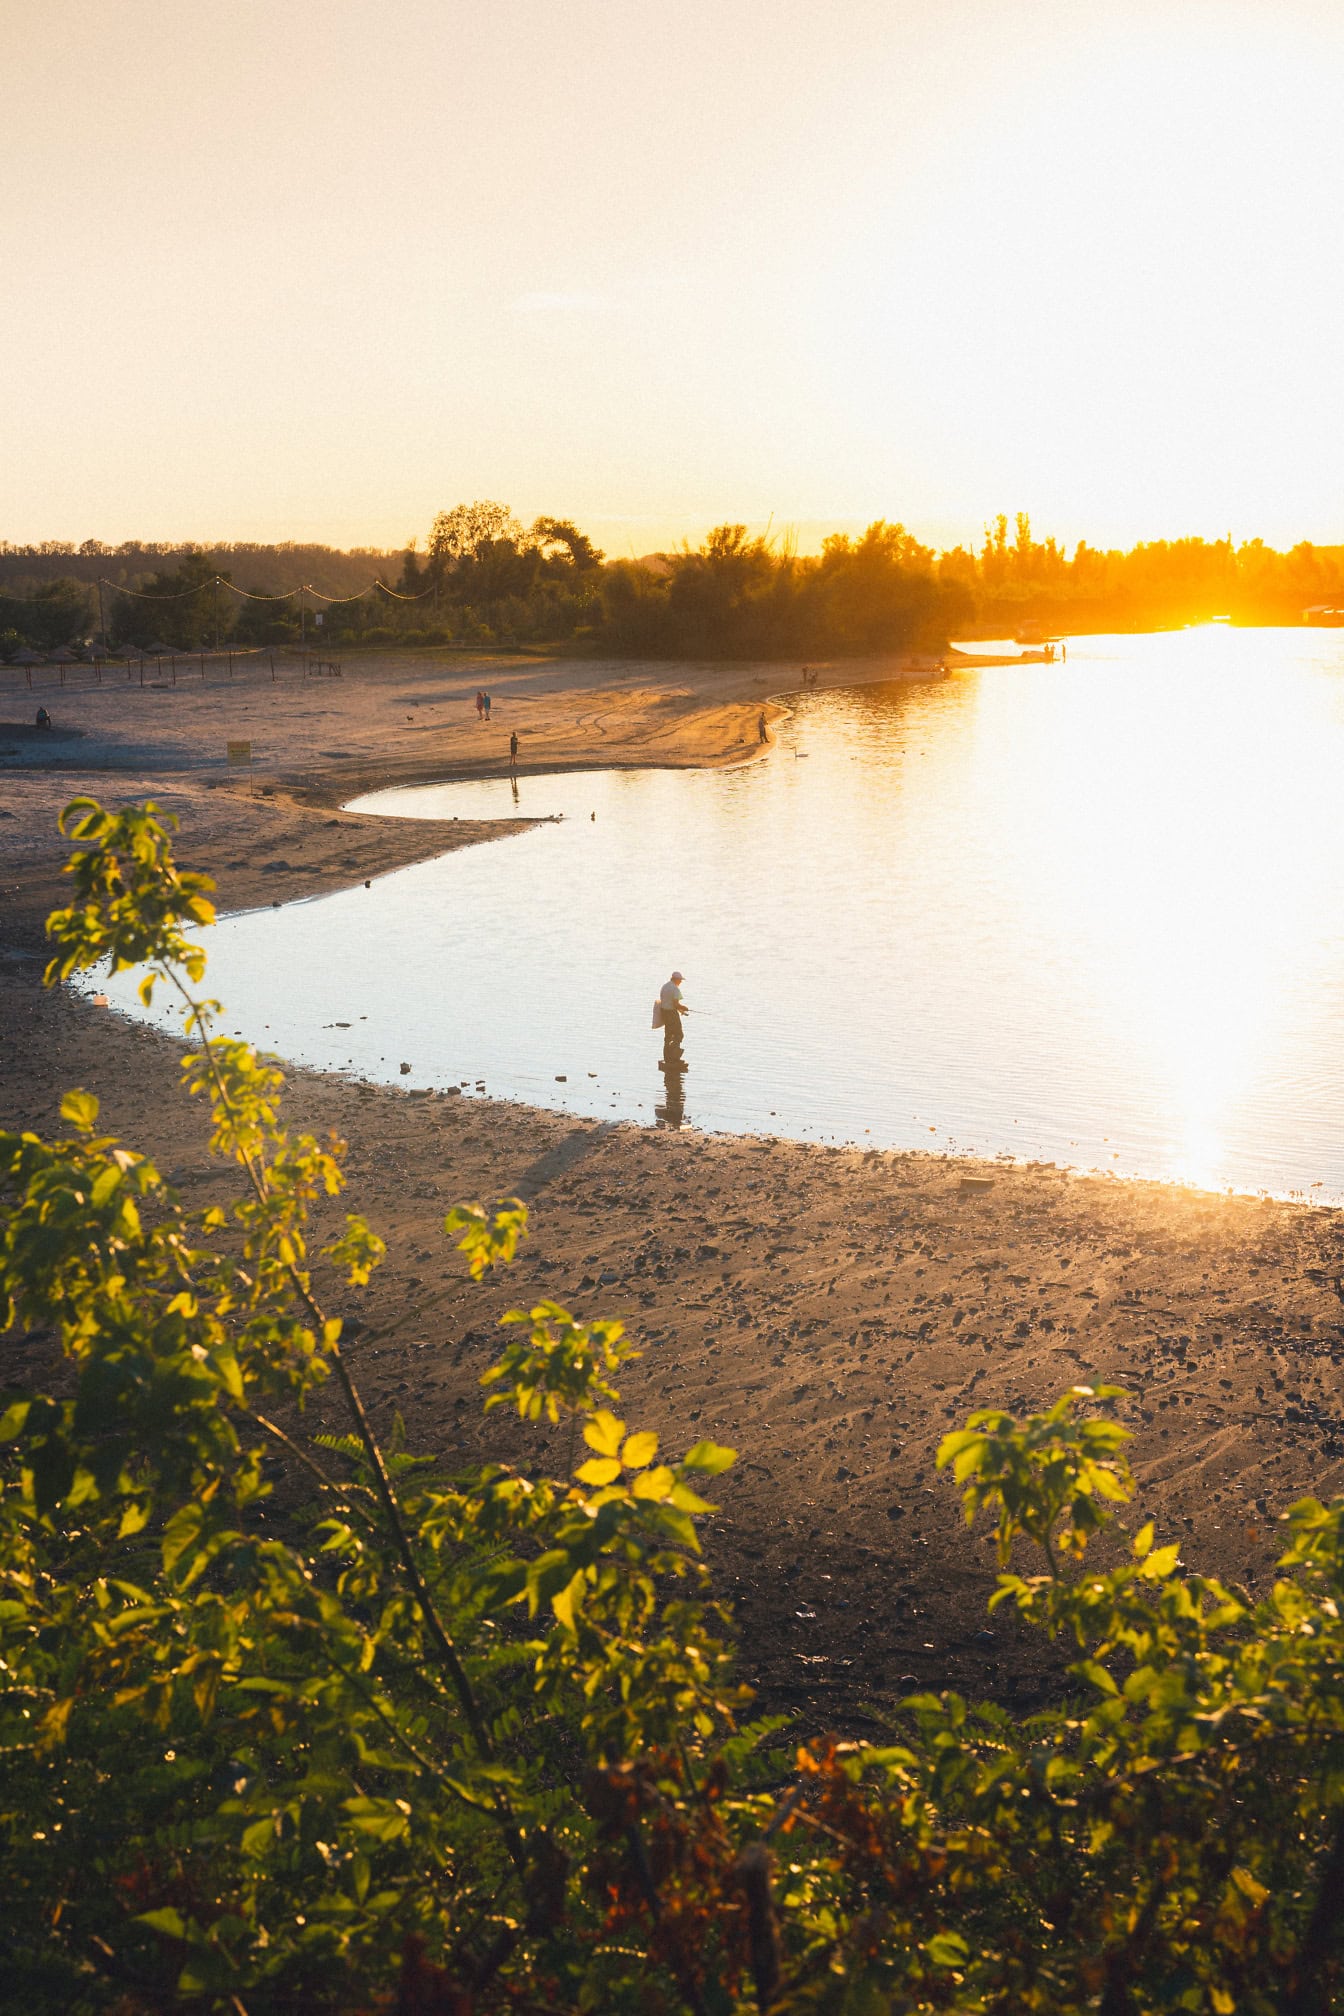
[578,548]
[456,534]
[56,613]
[185,607]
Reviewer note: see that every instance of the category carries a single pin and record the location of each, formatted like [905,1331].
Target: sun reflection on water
[1178,831]
[1090,913]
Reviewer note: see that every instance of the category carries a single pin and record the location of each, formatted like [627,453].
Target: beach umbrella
[63,655]
[27,656]
[163,651]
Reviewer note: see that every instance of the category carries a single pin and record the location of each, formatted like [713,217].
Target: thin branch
[377,1463]
[339,1491]
[425,1764]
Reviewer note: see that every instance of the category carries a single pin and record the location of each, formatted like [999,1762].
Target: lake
[1089,913]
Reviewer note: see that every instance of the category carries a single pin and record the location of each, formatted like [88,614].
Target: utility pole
[102,618]
[303,620]
[216,612]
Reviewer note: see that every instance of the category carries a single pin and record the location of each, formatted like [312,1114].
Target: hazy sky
[316,268]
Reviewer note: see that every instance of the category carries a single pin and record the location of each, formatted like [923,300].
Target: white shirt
[670,996]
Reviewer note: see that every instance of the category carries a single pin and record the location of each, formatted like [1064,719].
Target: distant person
[673,1008]
[486,698]
[43,718]
[760,727]
[513,750]
[1063,654]
[480,704]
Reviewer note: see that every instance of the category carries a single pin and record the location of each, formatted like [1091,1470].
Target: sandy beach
[827,1312]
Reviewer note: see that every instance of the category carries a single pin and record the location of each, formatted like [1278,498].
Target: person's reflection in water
[671,1110]
[513,786]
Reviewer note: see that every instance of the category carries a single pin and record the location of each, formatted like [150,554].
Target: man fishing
[673,1008]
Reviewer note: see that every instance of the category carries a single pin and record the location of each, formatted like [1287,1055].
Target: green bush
[401,1738]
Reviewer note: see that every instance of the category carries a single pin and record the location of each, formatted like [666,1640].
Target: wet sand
[829,1313]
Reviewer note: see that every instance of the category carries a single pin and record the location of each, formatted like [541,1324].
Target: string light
[249,595]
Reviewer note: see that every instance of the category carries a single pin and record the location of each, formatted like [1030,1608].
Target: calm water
[1092,913]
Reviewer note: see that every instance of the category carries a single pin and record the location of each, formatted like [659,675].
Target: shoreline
[833,1358]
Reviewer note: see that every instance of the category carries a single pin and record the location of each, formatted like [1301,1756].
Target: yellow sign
[240,752]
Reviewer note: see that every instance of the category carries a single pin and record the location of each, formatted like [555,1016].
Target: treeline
[733,596]
[483,578]
[137,562]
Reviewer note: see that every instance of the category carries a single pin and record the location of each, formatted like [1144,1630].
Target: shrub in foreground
[470,1742]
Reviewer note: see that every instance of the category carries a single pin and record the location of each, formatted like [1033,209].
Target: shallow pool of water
[1092,913]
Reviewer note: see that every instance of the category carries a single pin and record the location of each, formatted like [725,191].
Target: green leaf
[382,1819]
[165,1920]
[259,1836]
[227,1367]
[182,1531]
[639,1450]
[709,1457]
[81,1110]
[688,1500]
[1158,1566]
[13,1419]
[599,1470]
[654,1484]
[1249,1887]
[947,1949]
[952,1445]
[565,1601]
[604,1433]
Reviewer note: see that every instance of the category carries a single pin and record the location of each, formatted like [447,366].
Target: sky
[316,269]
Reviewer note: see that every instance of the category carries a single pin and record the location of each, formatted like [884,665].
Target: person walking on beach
[480,704]
[486,698]
[513,750]
[760,727]
[673,1007]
